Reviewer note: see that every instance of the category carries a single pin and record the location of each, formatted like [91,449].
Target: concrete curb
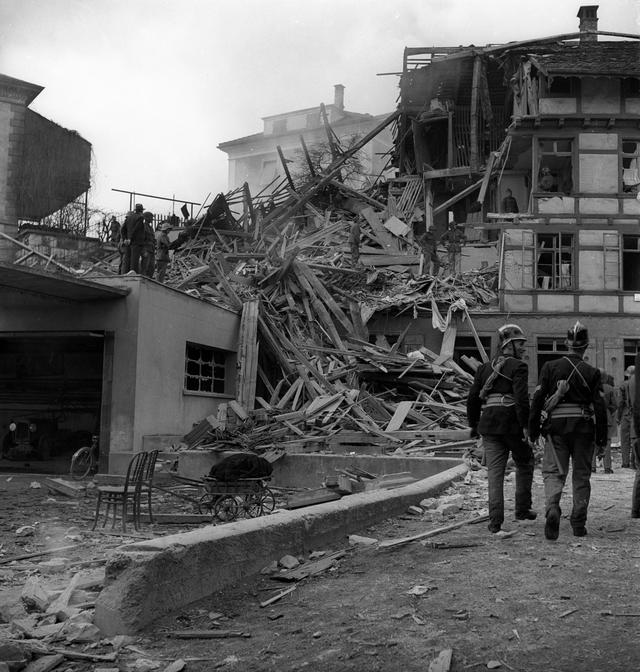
[149,579]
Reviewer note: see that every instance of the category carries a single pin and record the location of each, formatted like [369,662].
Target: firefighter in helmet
[568,409]
[498,410]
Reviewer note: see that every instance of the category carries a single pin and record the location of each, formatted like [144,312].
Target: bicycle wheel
[226,508]
[80,463]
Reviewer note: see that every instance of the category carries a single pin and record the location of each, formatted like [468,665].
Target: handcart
[224,500]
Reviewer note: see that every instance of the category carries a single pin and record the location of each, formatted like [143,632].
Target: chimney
[338,97]
[588,15]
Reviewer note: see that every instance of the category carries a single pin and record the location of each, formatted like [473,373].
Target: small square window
[205,369]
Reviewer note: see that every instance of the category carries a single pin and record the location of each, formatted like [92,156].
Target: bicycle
[85,460]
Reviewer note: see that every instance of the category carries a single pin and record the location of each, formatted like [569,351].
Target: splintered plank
[399,416]
[385,239]
[322,292]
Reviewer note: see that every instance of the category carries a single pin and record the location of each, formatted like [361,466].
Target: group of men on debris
[142,250]
[568,409]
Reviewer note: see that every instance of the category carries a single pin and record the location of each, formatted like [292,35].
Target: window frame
[558,156]
[625,252]
[558,278]
[219,367]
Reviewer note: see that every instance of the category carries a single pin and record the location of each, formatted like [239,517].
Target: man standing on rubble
[453,239]
[428,245]
[565,403]
[162,250]
[148,261]
[498,411]
[133,225]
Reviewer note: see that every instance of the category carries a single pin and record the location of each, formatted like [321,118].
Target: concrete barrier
[149,579]
[309,470]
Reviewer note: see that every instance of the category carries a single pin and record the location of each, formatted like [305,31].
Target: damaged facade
[556,122]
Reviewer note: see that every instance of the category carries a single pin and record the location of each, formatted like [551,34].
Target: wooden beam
[248,355]
[461,171]
[474,159]
[459,196]
[307,156]
[285,167]
[310,191]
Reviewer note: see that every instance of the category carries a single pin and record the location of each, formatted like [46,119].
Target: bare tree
[320,156]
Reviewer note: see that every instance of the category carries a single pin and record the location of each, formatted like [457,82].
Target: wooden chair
[118,496]
[145,486]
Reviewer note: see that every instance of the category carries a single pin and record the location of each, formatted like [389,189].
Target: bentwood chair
[117,497]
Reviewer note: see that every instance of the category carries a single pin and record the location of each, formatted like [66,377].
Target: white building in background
[254,158]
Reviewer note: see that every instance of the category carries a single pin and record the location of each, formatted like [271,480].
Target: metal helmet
[630,370]
[577,336]
[508,333]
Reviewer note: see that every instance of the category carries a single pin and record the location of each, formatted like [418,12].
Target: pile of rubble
[307,367]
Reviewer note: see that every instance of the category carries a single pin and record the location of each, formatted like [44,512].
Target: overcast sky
[156,85]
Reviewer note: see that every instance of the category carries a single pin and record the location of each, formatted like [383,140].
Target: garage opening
[51,387]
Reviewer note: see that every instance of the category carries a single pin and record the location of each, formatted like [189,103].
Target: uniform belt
[500,400]
[571,411]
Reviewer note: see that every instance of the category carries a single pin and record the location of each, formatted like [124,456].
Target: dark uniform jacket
[586,393]
[507,419]
[133,228]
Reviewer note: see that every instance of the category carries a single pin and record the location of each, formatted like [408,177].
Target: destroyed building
[258,159]
[322,350]
[553,124]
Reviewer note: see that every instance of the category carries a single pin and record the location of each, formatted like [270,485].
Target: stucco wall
[167,320]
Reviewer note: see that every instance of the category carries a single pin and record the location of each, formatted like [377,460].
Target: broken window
[205,369]
[631,263]
[630,166]
[563,87]
[630,348]
[554,261]
[555,165]
[549,349]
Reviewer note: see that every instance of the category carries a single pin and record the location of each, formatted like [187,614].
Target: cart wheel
[268,501]
[226,508]
[252,505]
[206,504]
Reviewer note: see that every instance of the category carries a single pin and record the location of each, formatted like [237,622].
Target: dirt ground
[517,602]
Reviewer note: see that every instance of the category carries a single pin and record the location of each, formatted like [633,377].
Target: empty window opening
[466,348]
[631,263]
[630,347]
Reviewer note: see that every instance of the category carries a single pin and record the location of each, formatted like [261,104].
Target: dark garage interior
[50,397]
